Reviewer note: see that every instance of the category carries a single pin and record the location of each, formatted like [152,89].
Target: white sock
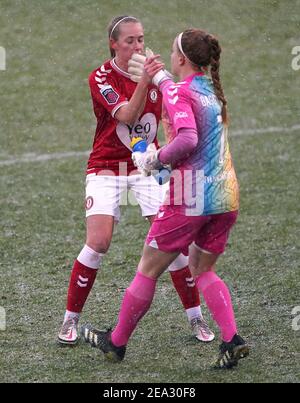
[194,312]
[71,315]
[90,258]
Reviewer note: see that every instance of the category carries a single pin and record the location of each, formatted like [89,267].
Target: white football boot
[68,334]
[201,330]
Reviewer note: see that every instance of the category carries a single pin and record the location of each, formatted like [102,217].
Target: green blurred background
[51,47]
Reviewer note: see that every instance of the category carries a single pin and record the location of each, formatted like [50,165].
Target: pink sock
[218,300]
[136,302]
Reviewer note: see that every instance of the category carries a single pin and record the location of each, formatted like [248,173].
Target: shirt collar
[118,69]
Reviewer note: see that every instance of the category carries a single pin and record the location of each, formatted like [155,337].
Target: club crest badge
[89,202]
[153,96]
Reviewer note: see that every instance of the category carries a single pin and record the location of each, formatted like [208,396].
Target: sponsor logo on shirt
[180,115]
[145,127]
[109,94]
[219,178]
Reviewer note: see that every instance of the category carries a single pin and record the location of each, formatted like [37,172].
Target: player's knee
[192,266]
[99,245]
[181,262]
[199,267]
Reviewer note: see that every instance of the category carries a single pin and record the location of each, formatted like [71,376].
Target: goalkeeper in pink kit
[203,200]
[123,109]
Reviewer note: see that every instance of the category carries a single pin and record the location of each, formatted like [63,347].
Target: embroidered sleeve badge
[109,94]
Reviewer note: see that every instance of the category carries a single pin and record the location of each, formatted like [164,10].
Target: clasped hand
[147,161]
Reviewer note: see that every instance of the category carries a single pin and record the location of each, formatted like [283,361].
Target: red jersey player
[198,151]
[124,109]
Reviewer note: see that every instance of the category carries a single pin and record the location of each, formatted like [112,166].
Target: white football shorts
[105,194]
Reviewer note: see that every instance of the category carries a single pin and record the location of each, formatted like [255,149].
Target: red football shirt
[111,88]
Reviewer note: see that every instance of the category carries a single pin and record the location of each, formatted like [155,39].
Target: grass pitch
[46,109]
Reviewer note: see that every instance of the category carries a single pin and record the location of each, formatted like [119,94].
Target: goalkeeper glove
[136,65]
[147,161]
[136,68]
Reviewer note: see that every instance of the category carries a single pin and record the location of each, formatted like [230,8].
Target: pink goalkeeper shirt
[204,179]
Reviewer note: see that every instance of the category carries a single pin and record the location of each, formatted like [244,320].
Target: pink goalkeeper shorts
[172,231]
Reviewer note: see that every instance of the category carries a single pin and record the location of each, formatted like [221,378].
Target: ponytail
[215,75]
[203,50]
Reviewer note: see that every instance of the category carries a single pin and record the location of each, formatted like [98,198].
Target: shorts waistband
[111,172]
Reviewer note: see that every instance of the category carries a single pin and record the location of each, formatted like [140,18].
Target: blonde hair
[113,28]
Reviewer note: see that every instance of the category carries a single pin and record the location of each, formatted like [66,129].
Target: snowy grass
[44,231]
[45,108]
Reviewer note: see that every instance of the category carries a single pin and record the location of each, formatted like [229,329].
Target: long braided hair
[203,50]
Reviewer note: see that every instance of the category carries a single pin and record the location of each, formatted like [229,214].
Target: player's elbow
[187,151]
[193,143]
[189,140]
[126,116]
